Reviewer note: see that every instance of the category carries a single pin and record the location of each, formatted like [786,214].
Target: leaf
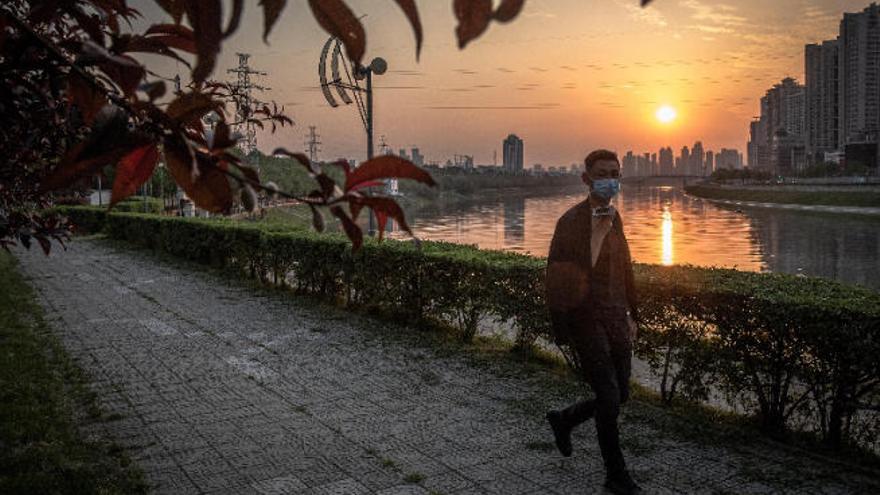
[271,11]
[351,229]
[174,7]
[338,20]
[387,167]
[207,186]
[509,9]
[85,96]
[206,18]
[173,36]
[383,208]
[412,13]
[189,108]
[234,18]
[299,157]
[473,19]
[109,141]
[317,218]
[133,170]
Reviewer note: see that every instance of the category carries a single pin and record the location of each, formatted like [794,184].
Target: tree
[75,101]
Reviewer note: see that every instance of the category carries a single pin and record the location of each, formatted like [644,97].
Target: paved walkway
[217,387]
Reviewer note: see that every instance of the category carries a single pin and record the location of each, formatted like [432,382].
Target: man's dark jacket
[569,273]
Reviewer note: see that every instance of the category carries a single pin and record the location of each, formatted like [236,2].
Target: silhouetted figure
[591,295]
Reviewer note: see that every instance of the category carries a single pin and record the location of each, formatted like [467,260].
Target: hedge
[795,352]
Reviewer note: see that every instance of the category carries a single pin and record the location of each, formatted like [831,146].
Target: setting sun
[665,114]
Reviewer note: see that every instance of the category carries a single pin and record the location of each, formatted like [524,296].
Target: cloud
[648,15]
[542,106]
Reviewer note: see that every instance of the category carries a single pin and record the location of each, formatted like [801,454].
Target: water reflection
[667,237]
[514,222]
[665,226]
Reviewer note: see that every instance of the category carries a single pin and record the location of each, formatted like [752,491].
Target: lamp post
[377,66]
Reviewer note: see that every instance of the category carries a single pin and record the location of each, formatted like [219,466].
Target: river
[666,226]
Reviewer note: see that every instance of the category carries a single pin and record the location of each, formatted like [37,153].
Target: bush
[137,204]
[785,348]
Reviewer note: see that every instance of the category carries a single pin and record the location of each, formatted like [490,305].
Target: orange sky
[567,75]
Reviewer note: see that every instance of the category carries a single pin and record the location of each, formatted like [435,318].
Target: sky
[567,76]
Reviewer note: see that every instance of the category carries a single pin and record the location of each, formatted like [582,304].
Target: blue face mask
[606,188]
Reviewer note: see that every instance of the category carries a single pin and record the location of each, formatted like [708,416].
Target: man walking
[591,296]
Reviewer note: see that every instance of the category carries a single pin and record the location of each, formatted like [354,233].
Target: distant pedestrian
[591,296]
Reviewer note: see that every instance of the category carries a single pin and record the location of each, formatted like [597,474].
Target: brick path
[217,387]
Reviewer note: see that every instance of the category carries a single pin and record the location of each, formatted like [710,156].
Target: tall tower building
[513,153]
[821,63]
[667,161]
[697,159]
[859,77]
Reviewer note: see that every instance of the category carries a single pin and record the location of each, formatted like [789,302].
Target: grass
[822,198]
[44,398]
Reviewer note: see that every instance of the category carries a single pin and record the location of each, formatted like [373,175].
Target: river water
[666,226]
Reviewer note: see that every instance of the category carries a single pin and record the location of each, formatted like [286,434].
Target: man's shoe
[622,484]
[561,433]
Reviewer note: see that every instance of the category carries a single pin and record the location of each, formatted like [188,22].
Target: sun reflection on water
[666,228]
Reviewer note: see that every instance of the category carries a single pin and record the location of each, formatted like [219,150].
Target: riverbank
[51,426]
[267,392]
[813,196]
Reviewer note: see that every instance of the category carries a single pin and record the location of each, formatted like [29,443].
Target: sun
[665,114]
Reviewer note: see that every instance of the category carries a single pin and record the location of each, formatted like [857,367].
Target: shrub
[781,347]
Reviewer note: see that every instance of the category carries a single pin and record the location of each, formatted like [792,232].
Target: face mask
[606,188]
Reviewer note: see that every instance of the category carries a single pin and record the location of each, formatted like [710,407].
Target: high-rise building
[777,139]
[683,167]
[513,153]
[710,163]
[417,157]
[667,161]
[728,158]
[697,159]
[822,96]
[859,77]
[628,165]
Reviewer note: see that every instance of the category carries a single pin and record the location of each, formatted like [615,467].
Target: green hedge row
[795,351]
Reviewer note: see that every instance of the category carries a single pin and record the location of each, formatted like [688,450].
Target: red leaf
[174,7]
[412,13]
[85,96]
[133,170]
[387,167]
[109,141]
[473,18]
[338,20]
[271,11]
[189,108]
[234,18]
[317,218]
[205,184]
[362,185]
[299,157]
[351,229]
[509,9]
[206,18]
[383,208]
[174,36]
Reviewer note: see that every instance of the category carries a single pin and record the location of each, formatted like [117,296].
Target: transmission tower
[312,143]
[384,149]
[245,103]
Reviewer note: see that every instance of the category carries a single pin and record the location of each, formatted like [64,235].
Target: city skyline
[572,75]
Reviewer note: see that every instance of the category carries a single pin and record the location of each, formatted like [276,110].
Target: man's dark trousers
[605,354]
